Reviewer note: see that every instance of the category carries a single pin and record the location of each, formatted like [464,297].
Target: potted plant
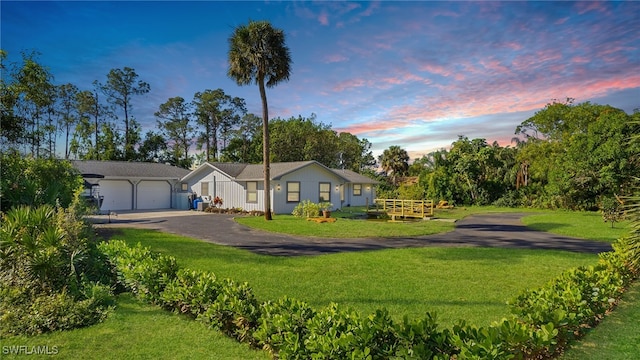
[326,209]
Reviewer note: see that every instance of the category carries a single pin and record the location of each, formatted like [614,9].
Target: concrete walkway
[504,230]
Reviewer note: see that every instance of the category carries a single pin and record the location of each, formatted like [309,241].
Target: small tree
[612,210]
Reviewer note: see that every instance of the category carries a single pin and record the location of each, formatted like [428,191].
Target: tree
[91,117]
[122,85]
[68,97]
[245,145]
[217,111]
[395,162]
[34,95]
[258,53]
[176,129]
[153,148]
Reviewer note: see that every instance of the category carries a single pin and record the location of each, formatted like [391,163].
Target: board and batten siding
[309,178]
[232,193]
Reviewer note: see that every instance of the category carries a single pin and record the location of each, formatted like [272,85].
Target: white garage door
[118,195]
[154,195]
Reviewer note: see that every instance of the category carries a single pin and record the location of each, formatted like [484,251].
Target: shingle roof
[354,177]
[231,169]
[256,171]
[129,169]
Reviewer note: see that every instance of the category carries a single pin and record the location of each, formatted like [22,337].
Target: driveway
[504,230]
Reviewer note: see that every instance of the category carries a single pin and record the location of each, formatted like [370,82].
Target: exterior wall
[232,193]
[367,197]
[310,178]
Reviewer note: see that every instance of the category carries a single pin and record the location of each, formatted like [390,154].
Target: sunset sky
[414,74]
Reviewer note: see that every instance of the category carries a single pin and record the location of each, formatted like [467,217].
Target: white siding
[367,195]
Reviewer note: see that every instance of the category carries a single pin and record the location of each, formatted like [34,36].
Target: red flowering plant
[217,202]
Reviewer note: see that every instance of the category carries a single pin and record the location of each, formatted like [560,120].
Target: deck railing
[405,208]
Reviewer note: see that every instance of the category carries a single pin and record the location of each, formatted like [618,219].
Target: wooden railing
[405,208]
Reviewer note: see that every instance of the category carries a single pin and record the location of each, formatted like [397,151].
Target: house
[124,185]
[242,185]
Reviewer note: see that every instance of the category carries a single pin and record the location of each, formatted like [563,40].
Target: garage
[153,194]
[116,194]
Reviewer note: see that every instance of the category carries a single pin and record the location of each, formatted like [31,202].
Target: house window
[357,189]
[293,191]
[184,186]
[252,191]
[204,188]
[325,192]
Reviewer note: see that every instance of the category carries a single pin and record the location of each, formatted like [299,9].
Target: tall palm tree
[394,161]
[258,53]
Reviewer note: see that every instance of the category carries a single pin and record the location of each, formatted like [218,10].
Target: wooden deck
[420,209]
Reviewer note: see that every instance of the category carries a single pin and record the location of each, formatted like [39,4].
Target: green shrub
[138,269]
[191,292]
[36,182]
[235,311]
[22,313]
[282,327]
[306,208]
[421,339]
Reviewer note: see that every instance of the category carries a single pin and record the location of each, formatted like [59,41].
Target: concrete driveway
[503,230]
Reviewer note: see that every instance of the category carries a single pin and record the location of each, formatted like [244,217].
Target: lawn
[135,331]
[617,337]
[405,281]
[586,225]
[456,283]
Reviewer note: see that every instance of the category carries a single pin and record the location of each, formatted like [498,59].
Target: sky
[414,74]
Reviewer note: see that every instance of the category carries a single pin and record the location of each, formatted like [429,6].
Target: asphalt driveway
[503,230]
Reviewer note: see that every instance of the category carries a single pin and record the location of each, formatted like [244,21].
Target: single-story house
[242,185]
[121,185]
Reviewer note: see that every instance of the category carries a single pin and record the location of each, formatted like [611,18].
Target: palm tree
[394,161]
[257,53]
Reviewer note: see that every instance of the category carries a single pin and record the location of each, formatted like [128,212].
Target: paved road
[503,230]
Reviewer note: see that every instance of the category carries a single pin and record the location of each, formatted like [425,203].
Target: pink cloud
[323,18]
[584,7]
[334,58]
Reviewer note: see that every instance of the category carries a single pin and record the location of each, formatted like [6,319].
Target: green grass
[137,331]
[586,225]
[344,227]
[457,283]
[617,337]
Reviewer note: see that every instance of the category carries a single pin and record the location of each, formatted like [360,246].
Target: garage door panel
[154,195]
[117,195]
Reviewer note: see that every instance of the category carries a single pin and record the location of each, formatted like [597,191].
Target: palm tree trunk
[265,150]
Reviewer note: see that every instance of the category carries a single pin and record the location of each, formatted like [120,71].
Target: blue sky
[414,74]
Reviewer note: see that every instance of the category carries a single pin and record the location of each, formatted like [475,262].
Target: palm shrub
[51,272]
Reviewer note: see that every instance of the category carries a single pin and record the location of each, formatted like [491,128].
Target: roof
[354,177]
[255,172]
[125,169]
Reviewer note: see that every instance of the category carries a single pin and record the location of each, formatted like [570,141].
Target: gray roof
[254,172]
[354,177]
[125,169]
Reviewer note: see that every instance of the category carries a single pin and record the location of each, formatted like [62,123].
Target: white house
[242,186]
[122,185]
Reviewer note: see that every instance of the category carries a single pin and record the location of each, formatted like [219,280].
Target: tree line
[573,156]
[39,116]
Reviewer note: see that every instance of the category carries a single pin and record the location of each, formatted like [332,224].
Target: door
[117,195]
[153,195]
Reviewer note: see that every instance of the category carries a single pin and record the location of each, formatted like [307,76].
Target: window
[293,191]
[204,188]
[325,192]
[357,189]
[252,191]
[184,186]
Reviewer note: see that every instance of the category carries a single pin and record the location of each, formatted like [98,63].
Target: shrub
[191,292]
[24,313]
[306,208]
[282,327]
[421,339]
[235,311]
[139,270]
